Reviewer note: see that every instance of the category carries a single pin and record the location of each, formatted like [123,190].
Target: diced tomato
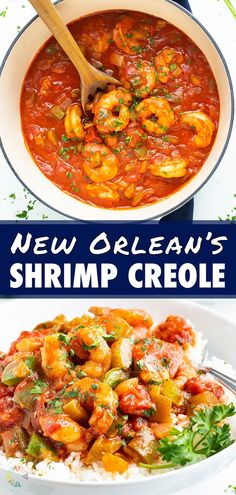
[151,353]
[136,401]
[10,414]
[51,424]
[91,134]
[197,385]
[6,391]
[138,423]
[176,330]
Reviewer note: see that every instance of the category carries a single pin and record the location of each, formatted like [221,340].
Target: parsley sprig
[203,438]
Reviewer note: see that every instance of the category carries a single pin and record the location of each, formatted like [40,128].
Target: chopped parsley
[71,353]
[4,12]
[137,49]
[89,347]
[39,387]
[140,364]
[22,214]
[165,362]
[64,152]
[72,394]
[62,337]
[50,50]
[108,338]
[25,213]
[56,405]
[149,412]
[154,382]
[151,41]
[231,217]
[81,374]
[231,488]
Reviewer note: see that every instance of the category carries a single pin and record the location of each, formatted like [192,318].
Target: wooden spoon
[91,79]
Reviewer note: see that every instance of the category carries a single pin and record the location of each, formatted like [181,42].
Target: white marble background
[215,15]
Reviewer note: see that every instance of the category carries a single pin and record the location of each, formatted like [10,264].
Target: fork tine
[225,380]
[204,357]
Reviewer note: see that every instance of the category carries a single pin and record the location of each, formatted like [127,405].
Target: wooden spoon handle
[56,25]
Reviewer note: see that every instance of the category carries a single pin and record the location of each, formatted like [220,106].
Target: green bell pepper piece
[40,449]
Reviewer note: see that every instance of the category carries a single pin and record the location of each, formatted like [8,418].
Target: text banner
[136,259]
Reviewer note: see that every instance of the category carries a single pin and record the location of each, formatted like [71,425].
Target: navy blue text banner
[70,259]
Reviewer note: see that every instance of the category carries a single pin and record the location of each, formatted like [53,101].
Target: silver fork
[227,381]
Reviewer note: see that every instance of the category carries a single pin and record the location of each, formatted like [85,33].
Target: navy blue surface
[184,3]
[208,254]
[185,213]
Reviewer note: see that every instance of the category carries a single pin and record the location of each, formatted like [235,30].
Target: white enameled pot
[15,65]
[221,336]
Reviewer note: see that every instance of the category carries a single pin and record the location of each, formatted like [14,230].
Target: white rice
[195,353]
[71,470]
[74,470]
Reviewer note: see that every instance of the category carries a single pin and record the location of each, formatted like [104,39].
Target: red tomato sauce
[126,45]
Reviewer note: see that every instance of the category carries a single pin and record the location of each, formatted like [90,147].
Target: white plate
[24,49]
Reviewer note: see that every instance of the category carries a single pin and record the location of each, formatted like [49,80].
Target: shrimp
[202,125]
[72,122]
[158,109]
[125,38]
[99,163]
[99,352]
[156,359]
[167,63]
[139,76]
[169,168]
[116,326]
[111,112]
[55,360]
[99,398]
[134,317]
[104,193]
[60,428]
